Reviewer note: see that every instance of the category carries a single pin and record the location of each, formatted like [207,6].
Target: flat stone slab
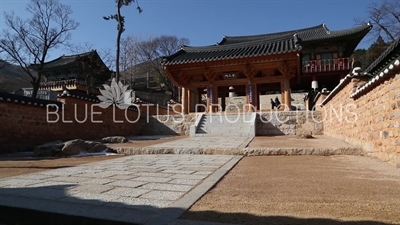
[158,187]
[259,145]
[189,145]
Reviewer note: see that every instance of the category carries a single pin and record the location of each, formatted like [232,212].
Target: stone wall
[177,124]
[370,121]
[24,126]
[235,103]
[267,124]
[289,123]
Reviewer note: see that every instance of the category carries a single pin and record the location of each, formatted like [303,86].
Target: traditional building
[250,65]
[81,72]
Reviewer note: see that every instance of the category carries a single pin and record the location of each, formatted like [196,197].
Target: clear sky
[203,22]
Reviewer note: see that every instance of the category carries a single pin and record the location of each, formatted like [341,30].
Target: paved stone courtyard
[152,185]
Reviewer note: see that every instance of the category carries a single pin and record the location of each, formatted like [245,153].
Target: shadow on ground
[250,219]
[55,205]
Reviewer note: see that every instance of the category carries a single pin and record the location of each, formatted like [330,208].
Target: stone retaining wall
[289,123]
[371,121]
[268,123]
[168,124]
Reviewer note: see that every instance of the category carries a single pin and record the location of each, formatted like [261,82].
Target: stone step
[229,125]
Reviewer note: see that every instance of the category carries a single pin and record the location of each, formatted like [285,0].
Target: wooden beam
[171,76]
[242,81]
[238,61]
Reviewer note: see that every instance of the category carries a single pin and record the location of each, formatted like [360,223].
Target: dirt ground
[304,190]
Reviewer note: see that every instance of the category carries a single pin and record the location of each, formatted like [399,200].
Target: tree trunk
[120,30]
[35,85]
[385,30]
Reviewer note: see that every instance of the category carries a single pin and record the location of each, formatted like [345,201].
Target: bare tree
[30,40]
[120,28]
[385,16]
[129,60]
[151,51]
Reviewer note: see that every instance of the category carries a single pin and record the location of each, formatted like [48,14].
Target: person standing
[277,103]
[272,104]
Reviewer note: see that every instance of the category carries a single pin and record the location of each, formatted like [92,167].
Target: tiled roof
[4,96]
[79,95]
[341,85]
[232,47]
[285,44]
[316,33]
[381,67]
[64,60]
[87,97]
[390,53]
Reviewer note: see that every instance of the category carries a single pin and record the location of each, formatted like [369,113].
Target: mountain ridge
[13,77]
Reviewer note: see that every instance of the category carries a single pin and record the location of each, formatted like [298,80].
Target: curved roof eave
[67,58]
[268,35]
[394,48]
[315,33]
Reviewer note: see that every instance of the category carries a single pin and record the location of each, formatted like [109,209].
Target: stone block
[89,198]
[184,181]
[127,183]
[91,188]
[152,179]
[167,187]
[127,192]
[163,195]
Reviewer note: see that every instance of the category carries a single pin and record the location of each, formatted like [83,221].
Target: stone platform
[259,145]
[140,189]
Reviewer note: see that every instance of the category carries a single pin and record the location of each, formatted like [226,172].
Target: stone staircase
[224,125]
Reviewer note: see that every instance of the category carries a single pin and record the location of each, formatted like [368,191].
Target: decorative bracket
[287,69]
[250,72]
[209,75]
[186,78]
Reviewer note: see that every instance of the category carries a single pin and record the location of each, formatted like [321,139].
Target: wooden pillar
[208,101]
[189,100]
[255,97]
[223,98]
[185,109]
[287,101]
[179,93]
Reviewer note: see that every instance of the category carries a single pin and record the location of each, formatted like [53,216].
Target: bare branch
[385,16]
[148,52]
[29,41]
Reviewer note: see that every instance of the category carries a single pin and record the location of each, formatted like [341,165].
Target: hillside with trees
[385,18]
